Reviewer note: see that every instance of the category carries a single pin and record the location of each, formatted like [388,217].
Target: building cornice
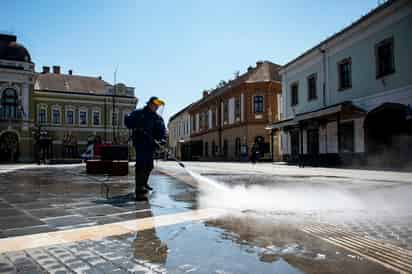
[85,94]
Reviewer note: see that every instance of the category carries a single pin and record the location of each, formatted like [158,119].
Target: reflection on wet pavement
[33,201]
[43,200]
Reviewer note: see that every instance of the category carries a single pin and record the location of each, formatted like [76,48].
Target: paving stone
[4,205]
[10,212]
[106,267]
[13,232]
[18,222]
[101,210]
[5,265]
[68,221]
[49,212]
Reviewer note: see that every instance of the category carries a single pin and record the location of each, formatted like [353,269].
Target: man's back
[147,126]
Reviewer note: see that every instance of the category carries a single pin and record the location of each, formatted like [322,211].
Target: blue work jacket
[147,127]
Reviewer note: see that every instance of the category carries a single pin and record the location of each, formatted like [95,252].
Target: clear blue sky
[172,49]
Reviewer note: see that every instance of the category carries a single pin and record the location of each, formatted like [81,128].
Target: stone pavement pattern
[105,256]
[375,189]
[262,241]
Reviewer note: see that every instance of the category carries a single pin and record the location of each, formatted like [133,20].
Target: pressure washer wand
[165,149]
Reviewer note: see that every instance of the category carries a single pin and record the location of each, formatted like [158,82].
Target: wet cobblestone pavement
[38,200]
[248,241]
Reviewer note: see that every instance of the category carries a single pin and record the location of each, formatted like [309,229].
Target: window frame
[261,104]
[213,118]
[84,110]
[9,110]
[292,101]
[58,109]
[386,41]
[100,117]
[73,117]
[40,108]
[225,112]
[312,97]
[237,109]
[113,114]
[347,124]
[340,64]
[206,151]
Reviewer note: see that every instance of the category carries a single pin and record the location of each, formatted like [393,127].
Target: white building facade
[179,127]
[348,99]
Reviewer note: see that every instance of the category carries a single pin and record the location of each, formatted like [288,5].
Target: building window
[193,123]
[295,143]
[70,117]
[225,112]
[237,109]
[9,103]
[207,125]
[312,93]
[82,117]
[258,104]
[237,146]
[345,74]
[56,116]
[42,115]
[346,137]
[96,118]
[313,141]
[213,118]
[206,149]
[200,121]
[294,94]
[214,148]
[115,118]
[385,61]
[225,148]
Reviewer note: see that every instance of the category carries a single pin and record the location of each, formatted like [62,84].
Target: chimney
[56,69]
[99,77]
[70,72]
[258,63]
[205,93]
[250,68]
[46,69]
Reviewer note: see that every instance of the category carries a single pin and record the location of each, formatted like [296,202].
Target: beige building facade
[227,121]
[179,133]
[66,111]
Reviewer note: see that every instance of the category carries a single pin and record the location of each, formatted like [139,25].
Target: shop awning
[282,124]
[346,108]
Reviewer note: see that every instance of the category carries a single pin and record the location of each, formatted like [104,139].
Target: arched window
[9,103]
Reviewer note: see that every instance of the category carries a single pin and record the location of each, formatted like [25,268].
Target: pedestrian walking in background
[255,153]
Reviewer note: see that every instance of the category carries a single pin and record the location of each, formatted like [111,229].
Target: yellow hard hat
[156,101]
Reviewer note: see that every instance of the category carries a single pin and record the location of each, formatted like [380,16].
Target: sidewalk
[357,175]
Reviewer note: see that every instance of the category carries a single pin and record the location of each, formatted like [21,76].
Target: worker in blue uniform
[148,132]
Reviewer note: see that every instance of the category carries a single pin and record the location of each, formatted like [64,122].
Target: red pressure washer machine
[109,159]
